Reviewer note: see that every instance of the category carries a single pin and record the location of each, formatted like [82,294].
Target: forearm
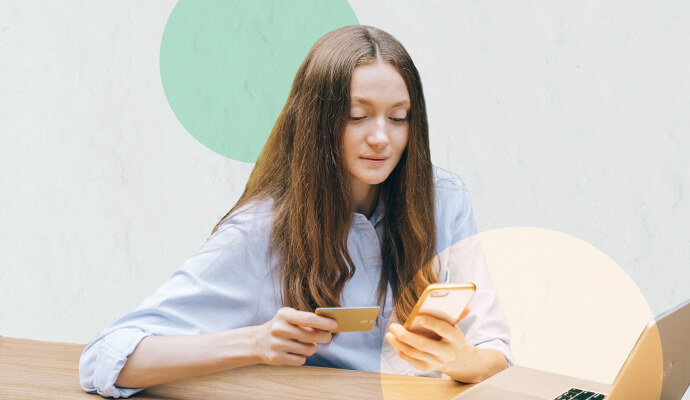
[478,364]
[162,359]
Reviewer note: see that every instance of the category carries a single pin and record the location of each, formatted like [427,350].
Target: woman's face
[376,133]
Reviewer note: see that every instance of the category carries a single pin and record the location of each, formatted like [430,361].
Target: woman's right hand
[291,336]
[287,339]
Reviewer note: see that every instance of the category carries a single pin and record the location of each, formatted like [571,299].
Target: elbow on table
[87,362]
[97,375]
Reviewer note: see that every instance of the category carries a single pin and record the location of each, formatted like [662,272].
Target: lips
[375,158]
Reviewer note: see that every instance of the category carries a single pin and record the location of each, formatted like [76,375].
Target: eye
[399,116]
[357,113]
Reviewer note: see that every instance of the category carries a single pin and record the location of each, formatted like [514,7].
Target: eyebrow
[367,101]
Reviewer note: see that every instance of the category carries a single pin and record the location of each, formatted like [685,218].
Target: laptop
[650,371]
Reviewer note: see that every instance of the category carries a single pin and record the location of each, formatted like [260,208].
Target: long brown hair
[301,167]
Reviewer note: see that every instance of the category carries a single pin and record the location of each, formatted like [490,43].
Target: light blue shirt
[232,282]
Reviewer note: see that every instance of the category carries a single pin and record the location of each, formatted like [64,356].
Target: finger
[287,359]
[293,359]
[420,365]
[311,335]
[281,345]
[285,329]
[446,331]
[307,319]
[412,352]
[415,340]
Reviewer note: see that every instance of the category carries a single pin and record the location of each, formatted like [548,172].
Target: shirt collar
[377,215]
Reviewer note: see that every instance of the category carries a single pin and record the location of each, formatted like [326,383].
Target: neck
[365,197]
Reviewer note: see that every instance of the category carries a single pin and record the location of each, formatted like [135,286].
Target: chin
[373,179]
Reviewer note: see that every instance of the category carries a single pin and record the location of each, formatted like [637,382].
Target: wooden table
[31,369]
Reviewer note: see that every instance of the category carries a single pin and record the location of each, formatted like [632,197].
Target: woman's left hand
[429,354]
[443,348]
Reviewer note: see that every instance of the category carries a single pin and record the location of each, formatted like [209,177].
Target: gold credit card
[351,319]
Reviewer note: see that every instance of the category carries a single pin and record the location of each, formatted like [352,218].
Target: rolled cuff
[101,363]
[500,345]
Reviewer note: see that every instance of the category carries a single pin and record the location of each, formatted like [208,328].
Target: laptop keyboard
[579,394]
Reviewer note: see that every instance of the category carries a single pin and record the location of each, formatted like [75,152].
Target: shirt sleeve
[462,260]
[215,290]
[484,326]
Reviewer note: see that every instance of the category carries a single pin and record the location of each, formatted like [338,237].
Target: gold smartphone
[445,301]
[351,319]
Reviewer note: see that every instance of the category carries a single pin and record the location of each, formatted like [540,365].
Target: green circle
[227,66]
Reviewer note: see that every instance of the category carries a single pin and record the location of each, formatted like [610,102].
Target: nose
[378,137]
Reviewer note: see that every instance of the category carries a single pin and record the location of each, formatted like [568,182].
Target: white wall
[572,116]
[104,194]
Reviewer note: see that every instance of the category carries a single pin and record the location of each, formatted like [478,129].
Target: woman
[343,208]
